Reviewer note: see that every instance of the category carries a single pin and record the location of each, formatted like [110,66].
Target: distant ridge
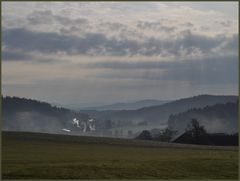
[128,106]
[159,114]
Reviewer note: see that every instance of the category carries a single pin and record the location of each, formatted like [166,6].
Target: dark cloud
[157,26]
[188,41]
[14,55]
[50,42]
[71,29]
[47,17]
[40,17]
[100,44]
[113,26]
[232,44]
[91,43]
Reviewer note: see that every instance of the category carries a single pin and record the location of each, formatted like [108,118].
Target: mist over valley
[216,113]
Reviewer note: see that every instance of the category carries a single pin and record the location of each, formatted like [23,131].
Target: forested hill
[20,114]
[129,106]
[160,114]
[14,104]
[221,118]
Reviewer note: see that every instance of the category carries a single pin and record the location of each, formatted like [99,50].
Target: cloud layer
[98,44]
[129,43]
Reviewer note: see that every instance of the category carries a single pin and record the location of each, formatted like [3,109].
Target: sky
[90,53]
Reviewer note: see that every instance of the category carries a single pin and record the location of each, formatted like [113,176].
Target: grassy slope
[26,155]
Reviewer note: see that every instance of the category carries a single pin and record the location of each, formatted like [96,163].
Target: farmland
[48,156]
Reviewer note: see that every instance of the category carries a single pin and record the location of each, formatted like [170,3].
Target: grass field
[41,156]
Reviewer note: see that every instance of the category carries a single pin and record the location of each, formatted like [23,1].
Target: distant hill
[160,114]
[128,106]
[20,114]
[221,118]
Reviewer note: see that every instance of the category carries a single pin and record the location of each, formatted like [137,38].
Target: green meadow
[45,156]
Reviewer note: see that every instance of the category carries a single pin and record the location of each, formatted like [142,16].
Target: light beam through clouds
[82,52]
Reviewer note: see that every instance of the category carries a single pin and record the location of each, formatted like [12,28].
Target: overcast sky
[95,52]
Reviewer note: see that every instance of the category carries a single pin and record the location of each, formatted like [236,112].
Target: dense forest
[20,114]
[218,118]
